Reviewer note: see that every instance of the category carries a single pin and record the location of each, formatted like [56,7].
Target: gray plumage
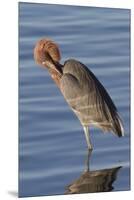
[81,89]
[88,98]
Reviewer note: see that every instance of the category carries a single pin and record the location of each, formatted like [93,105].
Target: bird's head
[47,54]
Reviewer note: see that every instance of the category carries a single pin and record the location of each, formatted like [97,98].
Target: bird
[82,90]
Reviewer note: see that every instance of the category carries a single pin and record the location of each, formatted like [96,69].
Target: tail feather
[117,126]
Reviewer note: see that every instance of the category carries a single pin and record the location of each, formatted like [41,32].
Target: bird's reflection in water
[93,181]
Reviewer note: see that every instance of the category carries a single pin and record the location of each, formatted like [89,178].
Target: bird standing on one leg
[81,89]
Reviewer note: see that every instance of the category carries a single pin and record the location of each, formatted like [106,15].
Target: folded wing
[88,98]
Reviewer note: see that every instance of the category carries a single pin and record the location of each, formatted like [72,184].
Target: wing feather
[88,98]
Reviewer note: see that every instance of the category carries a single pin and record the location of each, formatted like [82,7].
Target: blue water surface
[52,146]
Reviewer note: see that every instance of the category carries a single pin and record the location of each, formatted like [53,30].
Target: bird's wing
[86,95]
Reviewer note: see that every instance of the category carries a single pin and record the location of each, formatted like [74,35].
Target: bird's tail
[118,126]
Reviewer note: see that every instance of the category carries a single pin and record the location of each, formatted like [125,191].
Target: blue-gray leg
[87,162]
[86,131]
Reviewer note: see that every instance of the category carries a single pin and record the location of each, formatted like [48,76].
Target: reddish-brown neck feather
[47,54]
[46,50]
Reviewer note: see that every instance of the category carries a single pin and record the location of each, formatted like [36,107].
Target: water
[52,146]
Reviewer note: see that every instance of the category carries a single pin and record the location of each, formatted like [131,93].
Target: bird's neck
[56,76]
[55,70]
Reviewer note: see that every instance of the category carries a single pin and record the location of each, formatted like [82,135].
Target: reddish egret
[81,89]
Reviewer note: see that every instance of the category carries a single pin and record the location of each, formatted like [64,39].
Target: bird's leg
[87,162]
[86,131]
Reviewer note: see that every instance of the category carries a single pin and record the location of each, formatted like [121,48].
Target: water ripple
[52,146]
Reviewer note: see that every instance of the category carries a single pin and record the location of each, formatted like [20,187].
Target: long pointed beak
[55,67]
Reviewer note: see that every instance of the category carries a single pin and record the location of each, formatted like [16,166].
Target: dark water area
[52,146]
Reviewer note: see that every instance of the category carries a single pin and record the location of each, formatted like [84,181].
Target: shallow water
[52,146]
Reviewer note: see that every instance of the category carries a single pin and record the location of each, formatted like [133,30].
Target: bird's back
[88,98]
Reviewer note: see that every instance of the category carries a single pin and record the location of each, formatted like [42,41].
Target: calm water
[52,150]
